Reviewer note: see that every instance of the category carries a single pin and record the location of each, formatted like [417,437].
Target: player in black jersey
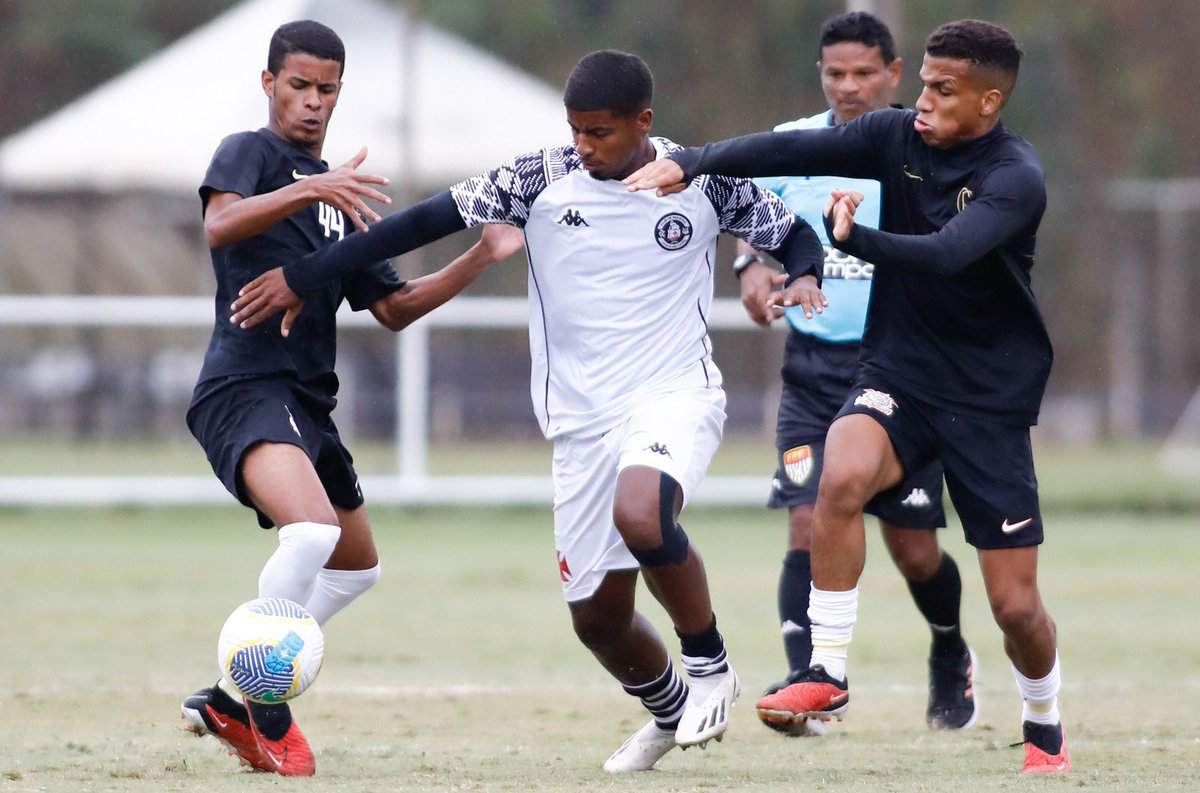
[262,403]
[955,356]
[859,72]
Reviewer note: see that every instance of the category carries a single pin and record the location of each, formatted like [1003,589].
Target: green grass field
[460,672]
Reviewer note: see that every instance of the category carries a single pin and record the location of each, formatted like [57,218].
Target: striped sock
[664,697]
[700,666]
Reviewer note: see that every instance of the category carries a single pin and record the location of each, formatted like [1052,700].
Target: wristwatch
[742,262]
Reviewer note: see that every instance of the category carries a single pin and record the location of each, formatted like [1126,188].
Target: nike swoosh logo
[789,627]
[220,724]
[271,756]
[911,175]
[1009,528]
[297,175]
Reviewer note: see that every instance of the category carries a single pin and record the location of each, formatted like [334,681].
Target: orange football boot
[283,747]
[814,695]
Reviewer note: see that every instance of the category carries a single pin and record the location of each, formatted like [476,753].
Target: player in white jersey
[623,380]
[859,73]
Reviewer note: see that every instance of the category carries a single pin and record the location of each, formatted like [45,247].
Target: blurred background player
[859,73]
[261,406]
[955,355]
[623,382]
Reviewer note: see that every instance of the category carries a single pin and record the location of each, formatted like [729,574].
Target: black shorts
[243,413]
[988,464]
[816,378]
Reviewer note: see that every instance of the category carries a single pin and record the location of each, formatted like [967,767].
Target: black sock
[706,644]
[938,600]
[704,652]
[273,721]
[795,585]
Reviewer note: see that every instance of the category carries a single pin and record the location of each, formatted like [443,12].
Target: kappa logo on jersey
[673,231]
[917,499]
[659,448]
[876,400]
[964,196]
[564,570]
[572,218]
[798,464]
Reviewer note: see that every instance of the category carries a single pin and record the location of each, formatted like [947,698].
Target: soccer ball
[270,649]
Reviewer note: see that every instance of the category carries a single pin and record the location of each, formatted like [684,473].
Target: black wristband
[743,261]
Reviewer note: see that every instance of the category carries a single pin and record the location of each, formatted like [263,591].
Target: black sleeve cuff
[689,160]
[801,253]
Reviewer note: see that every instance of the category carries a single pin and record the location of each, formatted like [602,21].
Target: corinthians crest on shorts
[798,463]
[876,400]
[673,231]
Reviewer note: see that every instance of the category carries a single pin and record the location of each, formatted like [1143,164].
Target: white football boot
[709,704]
[641,750]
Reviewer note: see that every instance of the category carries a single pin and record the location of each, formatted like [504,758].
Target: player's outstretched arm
[845,150]
[230,218]
[1008,200]
[282,288]
[421,295]
[762,221]
[502,195]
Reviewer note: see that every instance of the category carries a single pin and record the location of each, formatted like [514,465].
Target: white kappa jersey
[620,283]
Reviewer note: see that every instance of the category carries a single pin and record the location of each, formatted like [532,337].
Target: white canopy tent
[156,126]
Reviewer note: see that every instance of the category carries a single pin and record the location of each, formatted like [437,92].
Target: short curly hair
[984,44]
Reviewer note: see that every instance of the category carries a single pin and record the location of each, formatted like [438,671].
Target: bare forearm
[227,222]
[422,295]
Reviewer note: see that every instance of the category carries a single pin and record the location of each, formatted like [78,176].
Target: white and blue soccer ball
[270,649]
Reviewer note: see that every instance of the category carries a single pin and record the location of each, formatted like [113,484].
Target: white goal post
[412,484]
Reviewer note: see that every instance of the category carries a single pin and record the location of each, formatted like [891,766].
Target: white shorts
[676,432]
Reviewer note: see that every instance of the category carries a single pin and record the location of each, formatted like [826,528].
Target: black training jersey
[255,163]
[952,317]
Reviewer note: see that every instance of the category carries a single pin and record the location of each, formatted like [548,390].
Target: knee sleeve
[674,547]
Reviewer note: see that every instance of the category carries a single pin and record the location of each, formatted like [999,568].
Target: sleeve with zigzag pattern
[760,217]
[502,195]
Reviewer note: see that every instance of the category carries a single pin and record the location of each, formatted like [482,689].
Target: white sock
[291,572]
[336,589]
[1040,696]
[833,615]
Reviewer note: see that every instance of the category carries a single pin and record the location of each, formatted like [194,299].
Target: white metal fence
[411,484]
